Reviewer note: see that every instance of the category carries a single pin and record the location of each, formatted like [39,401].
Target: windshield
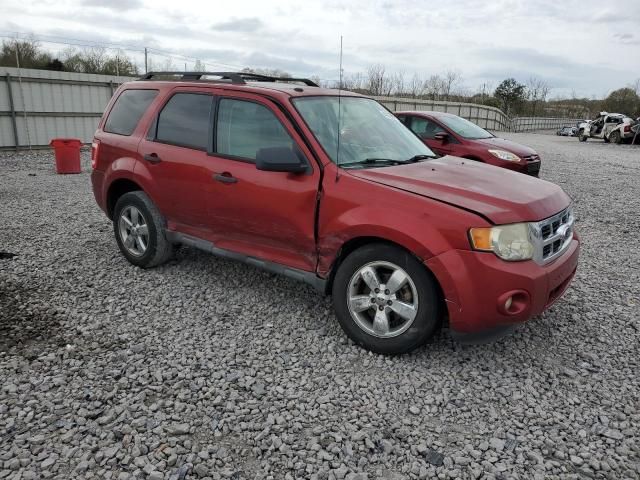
[369,133]
[464,128]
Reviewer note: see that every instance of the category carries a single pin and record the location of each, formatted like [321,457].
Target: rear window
[128,110]
[185,121]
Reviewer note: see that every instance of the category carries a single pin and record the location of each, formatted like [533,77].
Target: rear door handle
[225,177]
[152,158]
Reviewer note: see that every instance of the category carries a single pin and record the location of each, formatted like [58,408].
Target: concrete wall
[487,117]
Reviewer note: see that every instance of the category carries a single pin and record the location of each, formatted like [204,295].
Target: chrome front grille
[552,236]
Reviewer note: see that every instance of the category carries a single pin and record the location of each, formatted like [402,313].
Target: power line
[88,43]
[138,51]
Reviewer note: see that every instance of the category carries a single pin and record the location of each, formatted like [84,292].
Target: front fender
[422,226]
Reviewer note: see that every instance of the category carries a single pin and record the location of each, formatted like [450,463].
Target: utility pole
[145,60]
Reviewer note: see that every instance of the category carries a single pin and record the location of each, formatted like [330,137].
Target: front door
[427,129]
[267,215]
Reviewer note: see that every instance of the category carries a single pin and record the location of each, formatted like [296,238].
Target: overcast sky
[587,46]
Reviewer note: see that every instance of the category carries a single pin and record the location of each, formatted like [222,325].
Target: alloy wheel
[382,299]
[134,231]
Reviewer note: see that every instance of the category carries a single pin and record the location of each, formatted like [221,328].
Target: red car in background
[448,134]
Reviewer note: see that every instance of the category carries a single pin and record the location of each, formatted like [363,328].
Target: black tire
[615,137]
[158,248]
[426,320]
[581,136]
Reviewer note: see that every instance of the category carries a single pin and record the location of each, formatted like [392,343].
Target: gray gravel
[206,368]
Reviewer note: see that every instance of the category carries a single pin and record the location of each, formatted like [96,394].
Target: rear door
[268,215]
[174,156]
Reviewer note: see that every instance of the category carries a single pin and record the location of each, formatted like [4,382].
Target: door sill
[310,278]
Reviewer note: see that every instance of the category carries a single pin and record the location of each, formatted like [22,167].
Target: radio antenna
[339,115]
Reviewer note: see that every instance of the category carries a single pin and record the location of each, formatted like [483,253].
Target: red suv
[448,134]
[333,190]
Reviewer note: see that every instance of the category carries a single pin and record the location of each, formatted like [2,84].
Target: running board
[311,278]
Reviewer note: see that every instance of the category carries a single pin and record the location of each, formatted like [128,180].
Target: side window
[184,121]
[128,110]
[425,128]
[245,127]
[402,118]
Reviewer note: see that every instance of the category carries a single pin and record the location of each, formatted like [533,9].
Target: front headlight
[509,242]
[504,155]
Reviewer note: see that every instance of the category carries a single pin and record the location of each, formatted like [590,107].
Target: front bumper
[476,286]
[527,167]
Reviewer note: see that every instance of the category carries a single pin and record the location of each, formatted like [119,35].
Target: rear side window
[245,127]
[185,121]
[128,110]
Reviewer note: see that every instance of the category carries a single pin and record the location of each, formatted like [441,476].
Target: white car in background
[611,127]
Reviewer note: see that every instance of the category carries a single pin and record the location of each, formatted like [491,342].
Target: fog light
[507,304]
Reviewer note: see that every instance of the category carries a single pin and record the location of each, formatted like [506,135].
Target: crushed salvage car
[610,127]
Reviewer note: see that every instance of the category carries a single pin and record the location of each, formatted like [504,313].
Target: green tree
[27,52]
[623,100]
[511,95]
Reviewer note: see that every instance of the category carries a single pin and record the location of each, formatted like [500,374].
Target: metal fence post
[111,86]
[13,113]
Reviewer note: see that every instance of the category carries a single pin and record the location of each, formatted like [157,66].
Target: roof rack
[235,77]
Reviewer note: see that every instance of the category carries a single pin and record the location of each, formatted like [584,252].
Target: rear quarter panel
[118,154]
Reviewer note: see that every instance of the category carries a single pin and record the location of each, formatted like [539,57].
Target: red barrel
[67,154]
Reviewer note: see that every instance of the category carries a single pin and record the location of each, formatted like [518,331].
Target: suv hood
[496,193]
[504,144]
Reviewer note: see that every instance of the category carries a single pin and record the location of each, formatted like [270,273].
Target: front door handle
[152,158]
[225,177]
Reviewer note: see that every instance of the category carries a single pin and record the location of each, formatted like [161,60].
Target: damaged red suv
[448,134]
[332,190]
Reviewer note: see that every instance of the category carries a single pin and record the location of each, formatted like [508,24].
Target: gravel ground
[206,368]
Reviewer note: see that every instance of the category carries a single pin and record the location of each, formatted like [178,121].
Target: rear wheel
[385,299]
[615,137]
[139,230]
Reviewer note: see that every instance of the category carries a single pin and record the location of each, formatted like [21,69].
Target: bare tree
[450,82]
[397,81]
[415,87]
[434,86]
[356,82]
[537,91]
[376,79]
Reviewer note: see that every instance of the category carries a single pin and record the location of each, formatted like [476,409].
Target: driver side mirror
[280,159]
[442,137]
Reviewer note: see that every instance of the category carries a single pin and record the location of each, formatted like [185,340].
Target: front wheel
[385,299]
[581,136]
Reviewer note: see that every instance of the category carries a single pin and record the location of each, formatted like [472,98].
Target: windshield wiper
[417,158]
[373,161]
